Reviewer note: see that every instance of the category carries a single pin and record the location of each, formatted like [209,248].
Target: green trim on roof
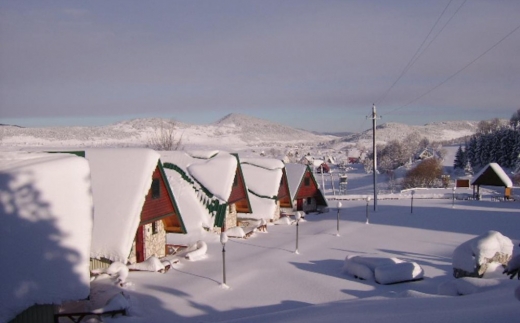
[79,153]
[170,193]
[275,197]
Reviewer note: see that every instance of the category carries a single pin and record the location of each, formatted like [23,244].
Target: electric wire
[457,72]
[412,60]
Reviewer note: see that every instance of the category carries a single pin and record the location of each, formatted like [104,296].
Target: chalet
[492,175]
[305,193]
[46,211]
[268,188]
[218,180]
[133,206]
[425,154]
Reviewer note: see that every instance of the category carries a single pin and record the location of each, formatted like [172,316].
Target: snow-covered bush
[473,257]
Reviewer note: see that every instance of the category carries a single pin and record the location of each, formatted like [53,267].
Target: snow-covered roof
[492,174]
[216,174]
[267,163]
[263,185]
[46,213]
[196,216]
[295,174]
[203,154]
[121,179]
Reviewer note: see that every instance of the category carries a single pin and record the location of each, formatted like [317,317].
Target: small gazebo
[492,175]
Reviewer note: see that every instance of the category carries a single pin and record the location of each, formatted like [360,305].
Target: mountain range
[232,130]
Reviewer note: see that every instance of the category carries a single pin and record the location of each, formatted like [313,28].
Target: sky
[315,65]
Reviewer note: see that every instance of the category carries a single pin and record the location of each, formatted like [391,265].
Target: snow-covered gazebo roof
[492,175]
[46,213]
[121,179]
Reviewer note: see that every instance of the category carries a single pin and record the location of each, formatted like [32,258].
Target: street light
[297,217]
[453,197]
[223,240]
[368,200]
[339,205]
[411,203]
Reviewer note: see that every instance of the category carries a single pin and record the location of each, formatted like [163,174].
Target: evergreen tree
[460,159]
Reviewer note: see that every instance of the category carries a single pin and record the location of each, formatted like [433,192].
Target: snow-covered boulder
[382,270]
[473,257]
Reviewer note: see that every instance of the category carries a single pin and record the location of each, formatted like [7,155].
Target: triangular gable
[284,194]
[492,175]
[297,174]
[239,194]
[164,207]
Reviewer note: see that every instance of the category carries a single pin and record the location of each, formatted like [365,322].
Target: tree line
[495,142]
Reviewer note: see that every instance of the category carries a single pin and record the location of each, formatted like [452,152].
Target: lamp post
[453,198]
[411,203]
[339,205]
[297,216]
[223,240]
[368,200]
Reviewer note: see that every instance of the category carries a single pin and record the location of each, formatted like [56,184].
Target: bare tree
[165,138]
[426,174]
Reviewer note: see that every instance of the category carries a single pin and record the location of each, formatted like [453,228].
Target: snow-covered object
[284,220]
[466,286]
[382,270]
[513,267]
[200,250]
[119,271]
[203,154]
[119,301]
[46,214]
[216,174]
[121,179]
[262,181]
[223,238]
[262,208]
[396,273]
[235,232]
[150,264]
[473,255]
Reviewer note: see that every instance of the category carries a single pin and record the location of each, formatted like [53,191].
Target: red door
[139,244]
[299,204]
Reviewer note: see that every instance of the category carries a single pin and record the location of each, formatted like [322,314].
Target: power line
[459,71]
[412,61]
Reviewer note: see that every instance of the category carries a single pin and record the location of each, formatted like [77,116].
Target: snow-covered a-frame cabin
[268,188]
[217,179]
[45,237]
[492,175]
[133,206]
[305,193]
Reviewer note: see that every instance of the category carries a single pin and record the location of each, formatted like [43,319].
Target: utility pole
[374,149]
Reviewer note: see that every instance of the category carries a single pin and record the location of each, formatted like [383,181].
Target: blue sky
[316,65]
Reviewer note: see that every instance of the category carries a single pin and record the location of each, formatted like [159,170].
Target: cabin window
[281,181]
[155,228]
[309,200]
[156,188]
[307,181]
[235,181]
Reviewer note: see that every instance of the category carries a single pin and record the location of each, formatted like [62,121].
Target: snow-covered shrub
[473,257]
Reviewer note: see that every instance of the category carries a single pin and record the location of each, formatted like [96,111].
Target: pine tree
[459,162]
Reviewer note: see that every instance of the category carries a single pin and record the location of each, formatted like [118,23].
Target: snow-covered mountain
[234,130]
[434,132]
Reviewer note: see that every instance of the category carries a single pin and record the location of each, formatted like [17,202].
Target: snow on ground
[269,282]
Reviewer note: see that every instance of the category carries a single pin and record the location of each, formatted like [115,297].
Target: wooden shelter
[492,175]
